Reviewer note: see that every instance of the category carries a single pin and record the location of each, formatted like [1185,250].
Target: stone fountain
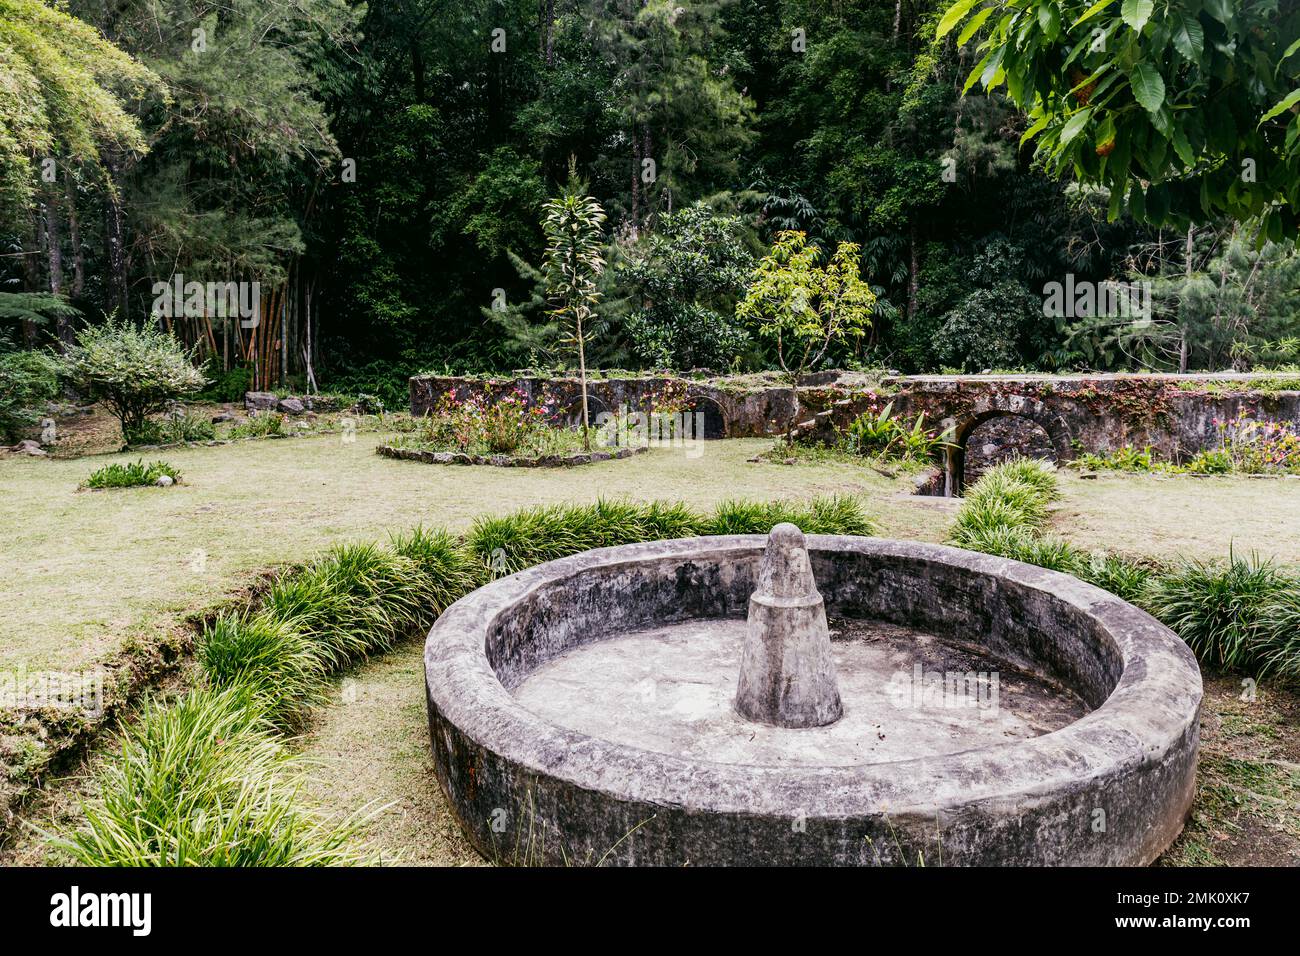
[820,700]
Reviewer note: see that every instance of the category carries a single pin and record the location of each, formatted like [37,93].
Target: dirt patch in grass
[371,751]
[1247,809]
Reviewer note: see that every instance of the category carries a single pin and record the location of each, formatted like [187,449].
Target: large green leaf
[1189,37]
[1034,130]
[1136,13]
[1093,10]
[1148,87]
[1183,148]
[1289,101]
[1049,19]
[956,13]
[970,29]
[1074,125]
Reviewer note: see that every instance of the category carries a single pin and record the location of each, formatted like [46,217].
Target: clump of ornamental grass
[205,782]
[131,474]
[1035,472]
[509,543]
[981,520]
[1013,495]
[505,544]
[663,521]
[1222,609]
[279,669]
[1122,577]
[449,569]
[354,601]
[1276,641]
[825,515]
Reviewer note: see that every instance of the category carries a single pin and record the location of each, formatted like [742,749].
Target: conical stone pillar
[787,674]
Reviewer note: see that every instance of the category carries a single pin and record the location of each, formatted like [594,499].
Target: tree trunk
[32,278]
[582,378]
[636,185]
[306,352]
[54,253]
[115,237]
[546,31]
[912,270]
[646,153]
[74,236]
[1187,276]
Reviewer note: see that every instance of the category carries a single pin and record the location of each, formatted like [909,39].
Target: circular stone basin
[671,689]
[993,713]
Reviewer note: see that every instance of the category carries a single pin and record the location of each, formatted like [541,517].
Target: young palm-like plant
[572,224]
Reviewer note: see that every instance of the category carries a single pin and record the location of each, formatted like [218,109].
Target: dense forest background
[380,170]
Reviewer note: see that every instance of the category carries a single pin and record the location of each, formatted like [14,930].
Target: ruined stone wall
[1174,415]
[734,412]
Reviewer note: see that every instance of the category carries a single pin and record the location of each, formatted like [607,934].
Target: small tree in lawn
[802,306]
[572,224]
[135,372]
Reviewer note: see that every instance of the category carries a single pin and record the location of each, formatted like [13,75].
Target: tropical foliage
[1182,109]
[382,173]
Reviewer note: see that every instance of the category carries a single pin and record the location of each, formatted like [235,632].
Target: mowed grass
[1181,516]
[82,570]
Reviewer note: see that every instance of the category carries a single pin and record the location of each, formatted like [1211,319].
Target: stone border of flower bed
[506,461]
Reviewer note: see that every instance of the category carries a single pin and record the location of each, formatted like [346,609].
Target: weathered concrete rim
[1151,712]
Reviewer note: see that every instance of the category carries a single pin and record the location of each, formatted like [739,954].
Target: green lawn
[83,568]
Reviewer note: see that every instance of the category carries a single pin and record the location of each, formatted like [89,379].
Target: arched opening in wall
[999,437]
[706,420]
[573,411]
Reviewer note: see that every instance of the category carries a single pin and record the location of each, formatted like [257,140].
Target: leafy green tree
[687,278]
[803,306]
[1184,109]
[134,371]
[997,321]
[682,119]
[28,379]
[63,93]
[1218,299]
[572,263]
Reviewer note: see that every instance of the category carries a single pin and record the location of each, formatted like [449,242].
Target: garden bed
[506,461]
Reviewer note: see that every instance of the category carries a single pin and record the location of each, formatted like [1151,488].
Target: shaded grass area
[1247,807]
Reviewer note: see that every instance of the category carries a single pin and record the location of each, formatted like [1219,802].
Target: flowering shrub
[508,425]
[1256,447]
